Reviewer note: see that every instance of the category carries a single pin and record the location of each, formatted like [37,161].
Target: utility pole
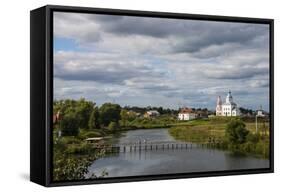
[256,123]
[259,114]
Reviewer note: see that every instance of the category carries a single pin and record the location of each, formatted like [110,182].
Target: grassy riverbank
[214,129]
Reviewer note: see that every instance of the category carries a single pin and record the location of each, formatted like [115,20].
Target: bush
[83,148]
[90,134]
[112,126]
[236,131]
[253,138]
[70,140]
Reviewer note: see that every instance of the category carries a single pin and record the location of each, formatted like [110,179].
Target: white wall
[14,81]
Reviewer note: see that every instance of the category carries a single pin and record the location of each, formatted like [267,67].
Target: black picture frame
[41,93]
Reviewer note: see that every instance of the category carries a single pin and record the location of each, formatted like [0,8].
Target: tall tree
[109,113]
[69,125]
[83,111]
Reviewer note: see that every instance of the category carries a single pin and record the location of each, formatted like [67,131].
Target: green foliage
[69,140]
[113,126]
[89,134]
[192,134]
[142,110]
[199,131]
[131,116]
[72,157]
[220,119]
[253,138]
[69,125]
[236,131]
[124,117]
[69,167]
[79,149]
[82,110]
[109,113]
[94,119]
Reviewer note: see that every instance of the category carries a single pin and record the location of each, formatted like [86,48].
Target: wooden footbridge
[155,146]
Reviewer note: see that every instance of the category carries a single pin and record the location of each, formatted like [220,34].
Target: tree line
[82,114]
[142,110]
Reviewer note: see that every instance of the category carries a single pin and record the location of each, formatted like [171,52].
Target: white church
[229,108]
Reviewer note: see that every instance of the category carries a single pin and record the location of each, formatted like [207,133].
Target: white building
[260,112]
[229,108]
[186,114]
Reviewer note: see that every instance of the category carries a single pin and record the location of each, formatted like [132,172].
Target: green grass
[201,130]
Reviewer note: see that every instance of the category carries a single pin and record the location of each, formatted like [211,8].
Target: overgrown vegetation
[72,158]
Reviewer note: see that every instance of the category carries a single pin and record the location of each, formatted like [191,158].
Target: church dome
[229,98]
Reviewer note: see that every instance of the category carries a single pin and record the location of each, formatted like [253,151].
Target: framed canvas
[124,95]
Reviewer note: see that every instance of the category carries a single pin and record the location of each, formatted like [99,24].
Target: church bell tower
[219,107]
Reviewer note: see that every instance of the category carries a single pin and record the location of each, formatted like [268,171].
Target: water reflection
[151,162]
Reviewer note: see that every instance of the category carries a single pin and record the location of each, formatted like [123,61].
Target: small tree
[69,125]
[236,131]
[94,119]
[109,113]
[124,116]
[113,126]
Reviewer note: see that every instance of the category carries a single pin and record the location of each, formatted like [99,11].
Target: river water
[147,162]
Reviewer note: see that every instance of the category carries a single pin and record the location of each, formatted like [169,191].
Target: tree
[69,125]
[94,119]
[246,111]
[236,131]
[160,110]
[109,113]
[124,116]
[83,110]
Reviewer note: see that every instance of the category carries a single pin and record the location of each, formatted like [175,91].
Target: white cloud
[141,61]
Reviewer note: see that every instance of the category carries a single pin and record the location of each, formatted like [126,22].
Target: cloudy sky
[141,61]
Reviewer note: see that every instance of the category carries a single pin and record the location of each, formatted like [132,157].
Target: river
[147,162]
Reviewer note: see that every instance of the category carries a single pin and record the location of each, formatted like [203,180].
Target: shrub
[112,126]
[253,138]
[236,131]
[70,140]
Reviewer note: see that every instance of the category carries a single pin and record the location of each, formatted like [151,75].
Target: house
[187,114]
[151,113]
[229,108]
[261,113]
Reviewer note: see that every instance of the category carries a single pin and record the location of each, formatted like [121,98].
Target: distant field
[202,129]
